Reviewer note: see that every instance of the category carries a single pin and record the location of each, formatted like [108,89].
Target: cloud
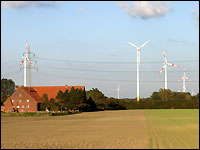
[144,9]
[181,42]
[81,9]
[22,4]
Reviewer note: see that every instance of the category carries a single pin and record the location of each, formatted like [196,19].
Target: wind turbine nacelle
[138,48]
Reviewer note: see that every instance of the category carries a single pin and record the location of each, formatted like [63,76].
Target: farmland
[173,129]
[106,129]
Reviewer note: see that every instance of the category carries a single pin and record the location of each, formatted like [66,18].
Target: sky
[85,43]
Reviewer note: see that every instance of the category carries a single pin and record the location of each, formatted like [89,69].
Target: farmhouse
[28,99]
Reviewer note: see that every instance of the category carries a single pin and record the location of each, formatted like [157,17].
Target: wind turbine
[165,67]
[183,78]
[192,92]
[138,64]
[118,90]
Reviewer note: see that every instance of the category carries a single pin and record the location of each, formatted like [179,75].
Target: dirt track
[108,129]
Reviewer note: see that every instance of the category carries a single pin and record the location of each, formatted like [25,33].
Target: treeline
[73,100]
[163,99]
[95,100]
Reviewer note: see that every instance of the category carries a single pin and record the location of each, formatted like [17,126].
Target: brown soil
[104,130]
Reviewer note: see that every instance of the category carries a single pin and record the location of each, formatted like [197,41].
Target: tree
[54,106]
[155,96]
[92,104]
[45,104]
[7,89]
[78,100]
[95,94]
[63,99]
[98,97]
[166,94]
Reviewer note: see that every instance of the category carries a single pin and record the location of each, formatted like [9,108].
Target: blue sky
[98,32]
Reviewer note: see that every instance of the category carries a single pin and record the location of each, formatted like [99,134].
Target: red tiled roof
[33,93]
[52,91]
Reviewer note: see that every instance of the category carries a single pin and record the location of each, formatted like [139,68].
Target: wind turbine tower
[118,91]
[184,78]
[138,65]
[165,67]
[28,65]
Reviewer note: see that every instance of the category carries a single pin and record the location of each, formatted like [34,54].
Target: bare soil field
[125,129]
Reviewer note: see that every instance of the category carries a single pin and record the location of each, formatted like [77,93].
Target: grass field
[173,129]
[142,129]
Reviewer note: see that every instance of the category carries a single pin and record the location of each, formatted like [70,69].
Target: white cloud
[144,9]
[22,4]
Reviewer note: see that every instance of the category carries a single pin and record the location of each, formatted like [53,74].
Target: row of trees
[72,100]
[92,100]
[163,99]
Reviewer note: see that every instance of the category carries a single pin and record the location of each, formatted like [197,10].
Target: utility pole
[28,65]
[184,79]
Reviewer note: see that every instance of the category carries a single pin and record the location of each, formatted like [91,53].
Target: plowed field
[142,129]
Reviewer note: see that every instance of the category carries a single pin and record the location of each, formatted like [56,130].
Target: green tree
[155,96]
[78,100]
[63,99]
[95,94]
[54,106]
[7,89]
[166,94]
[98,97]
[45,104]
[92,104]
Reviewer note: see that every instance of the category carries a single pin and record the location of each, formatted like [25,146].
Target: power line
[14,60]
[105,62]
[90,70]
[116,80]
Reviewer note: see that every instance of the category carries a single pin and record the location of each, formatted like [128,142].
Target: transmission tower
[28,57]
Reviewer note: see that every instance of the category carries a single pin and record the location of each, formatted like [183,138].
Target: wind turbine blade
[144,43]
[26,45]
[188,78]
[164,55]
[173,65]
[180,79]
[183,68]
[132,44]
[162,69]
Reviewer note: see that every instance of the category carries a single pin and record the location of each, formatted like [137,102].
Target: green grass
[173,128]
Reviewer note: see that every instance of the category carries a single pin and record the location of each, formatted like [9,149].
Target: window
[17,106]
[27,100]
[27,106]
[22,106]
[13,100]
[20,95]
[20,101]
